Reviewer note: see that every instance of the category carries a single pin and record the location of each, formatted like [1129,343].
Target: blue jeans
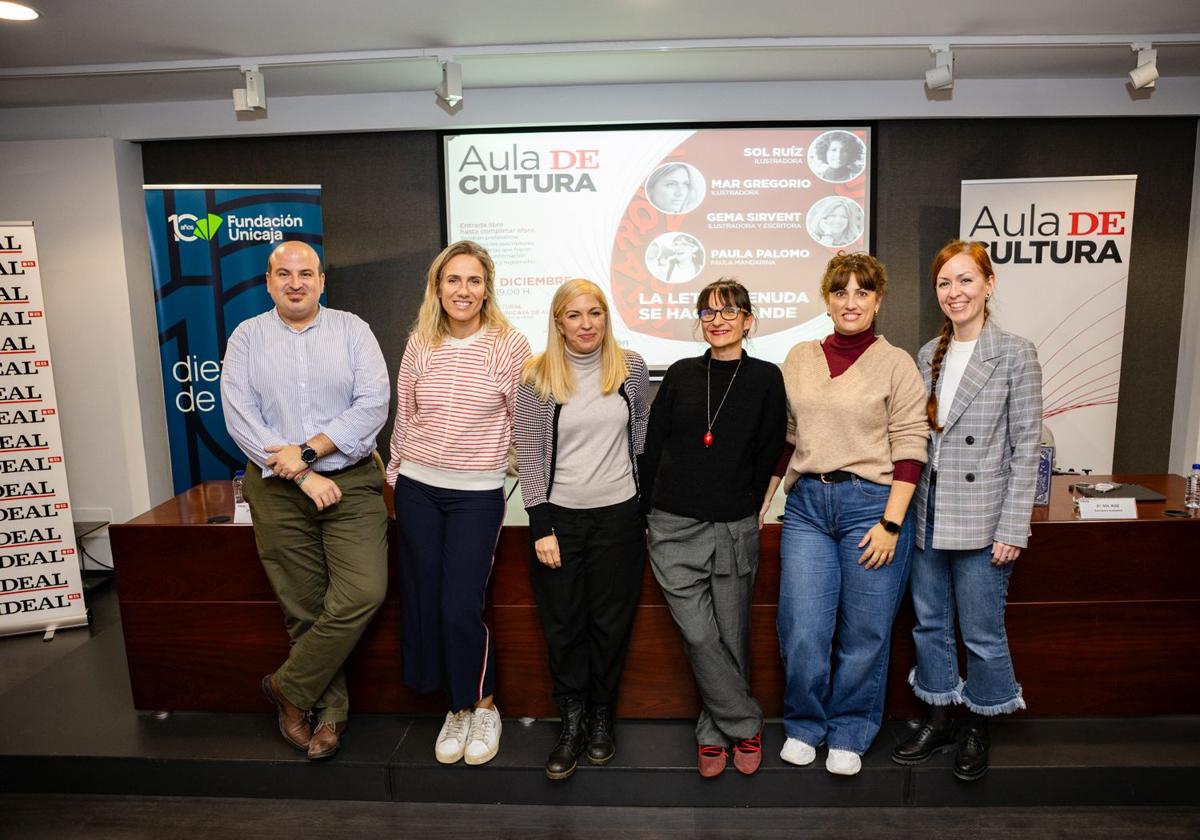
[945,582]
[834,692]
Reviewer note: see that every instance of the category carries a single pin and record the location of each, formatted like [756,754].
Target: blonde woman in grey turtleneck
[580,424]
[593,468]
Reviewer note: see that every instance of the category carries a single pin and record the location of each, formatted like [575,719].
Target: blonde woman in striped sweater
[455,397]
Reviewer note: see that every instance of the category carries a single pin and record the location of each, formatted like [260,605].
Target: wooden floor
[36,817]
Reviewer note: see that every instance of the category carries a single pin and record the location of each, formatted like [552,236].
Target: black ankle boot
[600,744]
[927,740]
[561,763]
[971,759]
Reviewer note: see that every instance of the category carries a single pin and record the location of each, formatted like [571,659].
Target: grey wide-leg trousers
[706,571]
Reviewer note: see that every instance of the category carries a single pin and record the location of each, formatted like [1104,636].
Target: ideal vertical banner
[40,584]
[1060,248]
[208,248]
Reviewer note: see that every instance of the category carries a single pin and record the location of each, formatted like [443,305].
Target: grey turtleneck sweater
[592,467]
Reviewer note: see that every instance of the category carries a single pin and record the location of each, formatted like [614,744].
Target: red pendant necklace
[712,418]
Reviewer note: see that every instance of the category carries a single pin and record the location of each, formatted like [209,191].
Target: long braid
[939,353]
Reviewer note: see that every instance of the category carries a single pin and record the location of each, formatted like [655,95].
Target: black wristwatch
[890,527]
[309,455]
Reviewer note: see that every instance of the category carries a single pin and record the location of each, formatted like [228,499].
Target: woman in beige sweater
[857,421]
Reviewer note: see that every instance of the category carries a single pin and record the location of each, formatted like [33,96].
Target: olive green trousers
[329,571]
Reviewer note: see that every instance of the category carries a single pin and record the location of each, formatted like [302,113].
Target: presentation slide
[652,216]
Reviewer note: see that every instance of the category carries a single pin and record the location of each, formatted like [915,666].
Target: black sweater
[726,481]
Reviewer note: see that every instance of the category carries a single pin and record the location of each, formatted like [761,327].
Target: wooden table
[1103,618]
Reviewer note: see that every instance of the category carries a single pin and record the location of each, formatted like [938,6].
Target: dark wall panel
[383,211]
[381,204]
[919,166]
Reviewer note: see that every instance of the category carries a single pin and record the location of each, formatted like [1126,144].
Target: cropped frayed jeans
[834,693]
[946,583]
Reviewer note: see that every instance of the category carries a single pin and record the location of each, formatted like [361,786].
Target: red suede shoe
[747,754]
[711,761]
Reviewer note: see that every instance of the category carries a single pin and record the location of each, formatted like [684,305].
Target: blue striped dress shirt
[282,386]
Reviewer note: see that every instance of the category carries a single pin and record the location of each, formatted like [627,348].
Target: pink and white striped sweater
[455,402]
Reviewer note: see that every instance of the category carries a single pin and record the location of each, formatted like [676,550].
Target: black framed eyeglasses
[729,313]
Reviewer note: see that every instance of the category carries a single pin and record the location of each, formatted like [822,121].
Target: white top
[954,365]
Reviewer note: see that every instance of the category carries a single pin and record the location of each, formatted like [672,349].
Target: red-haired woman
[973,507]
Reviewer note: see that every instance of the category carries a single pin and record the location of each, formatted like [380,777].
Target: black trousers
[587,605]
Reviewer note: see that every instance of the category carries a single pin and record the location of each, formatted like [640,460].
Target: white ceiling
[82,40]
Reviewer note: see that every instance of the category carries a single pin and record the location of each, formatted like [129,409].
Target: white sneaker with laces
[797,752]
[452,739]
[843,763]
[484,740]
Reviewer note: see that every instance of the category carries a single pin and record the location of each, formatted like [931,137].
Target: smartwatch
[890,527]
[309,456]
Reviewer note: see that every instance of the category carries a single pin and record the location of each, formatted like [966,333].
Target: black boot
[933,735]
[561,763]
[971,760]
[600,744]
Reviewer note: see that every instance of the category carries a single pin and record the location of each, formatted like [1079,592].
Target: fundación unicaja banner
[41,588]
[1060,249]
[208,247]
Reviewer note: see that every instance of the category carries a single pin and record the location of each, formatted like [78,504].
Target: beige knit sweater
[863,421]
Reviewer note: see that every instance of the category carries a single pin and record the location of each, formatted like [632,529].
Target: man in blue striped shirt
[303,372]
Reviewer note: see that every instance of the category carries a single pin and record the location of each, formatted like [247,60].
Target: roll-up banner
[208,247]
[41,588]
[1060,249]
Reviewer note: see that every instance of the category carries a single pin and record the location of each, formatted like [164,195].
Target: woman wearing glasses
[716,429]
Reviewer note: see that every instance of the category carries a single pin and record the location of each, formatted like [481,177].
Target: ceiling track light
[1146,72]
[941,75]
[253,97]
[450,90]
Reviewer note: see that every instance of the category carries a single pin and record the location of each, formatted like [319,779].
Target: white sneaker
[452,739]
[484,741]
[797,752]
[843,763]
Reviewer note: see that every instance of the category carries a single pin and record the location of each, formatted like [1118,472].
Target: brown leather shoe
[711,761]
[293,721]
[325,740]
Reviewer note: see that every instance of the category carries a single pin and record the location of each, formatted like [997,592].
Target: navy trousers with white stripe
[447,547]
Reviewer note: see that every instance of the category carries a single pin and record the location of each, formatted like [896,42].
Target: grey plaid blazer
[987,465]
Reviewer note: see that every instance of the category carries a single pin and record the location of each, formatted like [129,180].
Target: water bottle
[238,478]
[1191,496]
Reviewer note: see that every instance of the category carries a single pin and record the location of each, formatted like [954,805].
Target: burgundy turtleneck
[841,351]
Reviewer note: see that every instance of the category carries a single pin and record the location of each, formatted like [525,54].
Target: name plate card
[1125,508]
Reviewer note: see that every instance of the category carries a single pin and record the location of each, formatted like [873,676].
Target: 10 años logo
[188,228]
